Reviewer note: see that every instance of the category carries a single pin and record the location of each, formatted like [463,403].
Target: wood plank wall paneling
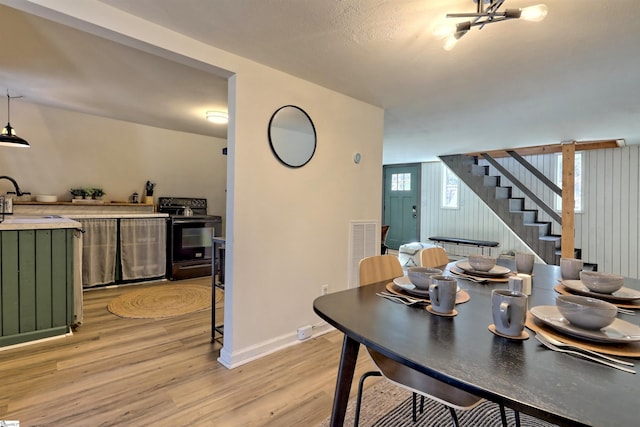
[633,209]
[607,230]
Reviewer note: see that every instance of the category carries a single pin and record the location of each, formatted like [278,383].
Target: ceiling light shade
[487,15]
[534,13]
[8,136]
[218,117]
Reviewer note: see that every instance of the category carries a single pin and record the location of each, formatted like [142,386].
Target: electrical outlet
[304,332]
[324,290]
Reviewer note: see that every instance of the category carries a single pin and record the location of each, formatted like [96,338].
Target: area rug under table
[386,405]
[166,300]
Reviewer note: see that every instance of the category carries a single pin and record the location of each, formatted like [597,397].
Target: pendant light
[8,136]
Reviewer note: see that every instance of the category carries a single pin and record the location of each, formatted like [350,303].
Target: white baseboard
[249,354]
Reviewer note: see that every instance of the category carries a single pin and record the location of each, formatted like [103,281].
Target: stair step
[528,216]
[543,228]
[491,181]
[503,192]
[516,204]
[479,170]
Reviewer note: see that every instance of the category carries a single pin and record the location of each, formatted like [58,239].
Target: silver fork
[583,355]
[405,297]
[398,299]
[626,311]
[471,279]
[595,353]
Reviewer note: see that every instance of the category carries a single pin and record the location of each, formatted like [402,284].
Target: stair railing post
[567,241]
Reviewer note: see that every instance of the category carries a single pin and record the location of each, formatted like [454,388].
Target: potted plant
[97,193]
[78,193]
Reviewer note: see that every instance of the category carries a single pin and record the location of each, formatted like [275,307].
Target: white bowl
[46,198]
[482,262]
[420,277]
[602,283]
[585,312]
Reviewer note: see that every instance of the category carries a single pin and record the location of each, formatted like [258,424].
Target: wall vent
[364,241]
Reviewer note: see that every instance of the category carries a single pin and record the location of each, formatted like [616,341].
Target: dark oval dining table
[521,374]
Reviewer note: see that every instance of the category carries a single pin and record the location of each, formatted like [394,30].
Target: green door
[401,210]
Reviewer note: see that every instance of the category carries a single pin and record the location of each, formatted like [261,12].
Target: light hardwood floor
[163,372]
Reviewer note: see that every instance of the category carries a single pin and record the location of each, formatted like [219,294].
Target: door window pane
[401,182]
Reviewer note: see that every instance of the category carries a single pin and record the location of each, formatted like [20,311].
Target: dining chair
[387,267]
[433,257]
[378,268]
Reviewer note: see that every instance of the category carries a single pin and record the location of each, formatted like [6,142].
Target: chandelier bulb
[534,13]
[444,30]
[450,43]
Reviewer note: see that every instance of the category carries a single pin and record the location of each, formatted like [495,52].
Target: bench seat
[461,241]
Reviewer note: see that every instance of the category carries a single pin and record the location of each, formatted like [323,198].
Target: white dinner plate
[405,284]
[622,294]
[619,331]
[496,271]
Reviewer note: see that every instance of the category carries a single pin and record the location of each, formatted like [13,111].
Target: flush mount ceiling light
[218,117]
[8,136]
[483,16]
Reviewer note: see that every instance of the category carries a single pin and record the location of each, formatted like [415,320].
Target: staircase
[511,210]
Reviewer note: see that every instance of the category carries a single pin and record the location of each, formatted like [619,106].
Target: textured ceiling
[572,76]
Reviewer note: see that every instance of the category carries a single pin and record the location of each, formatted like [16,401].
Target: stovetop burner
[176,206]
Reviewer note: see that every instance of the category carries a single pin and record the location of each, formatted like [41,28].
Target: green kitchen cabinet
[36,284]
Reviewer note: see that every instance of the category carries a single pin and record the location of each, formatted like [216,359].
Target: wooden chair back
[433,257]
[378,268]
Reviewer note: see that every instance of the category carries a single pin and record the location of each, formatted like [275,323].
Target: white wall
[287,229]
[71,150]
[290,226]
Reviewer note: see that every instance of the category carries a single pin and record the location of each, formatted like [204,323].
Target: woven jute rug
[386,405]
[167,300]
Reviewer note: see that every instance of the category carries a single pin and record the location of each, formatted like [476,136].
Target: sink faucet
[15,184]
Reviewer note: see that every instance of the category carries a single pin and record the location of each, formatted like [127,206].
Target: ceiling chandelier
[486,13]
[8,136]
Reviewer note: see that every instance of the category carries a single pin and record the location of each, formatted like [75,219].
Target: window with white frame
[450,188]
[577,176]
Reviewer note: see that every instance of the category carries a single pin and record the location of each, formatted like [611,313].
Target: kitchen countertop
[30,222]
[118,215]
[25,222]
[84,202]
[82,210]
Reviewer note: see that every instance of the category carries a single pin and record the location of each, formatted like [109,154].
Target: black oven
[191,239]
[189,244]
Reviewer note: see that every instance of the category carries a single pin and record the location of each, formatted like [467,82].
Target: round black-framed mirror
[292,136]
